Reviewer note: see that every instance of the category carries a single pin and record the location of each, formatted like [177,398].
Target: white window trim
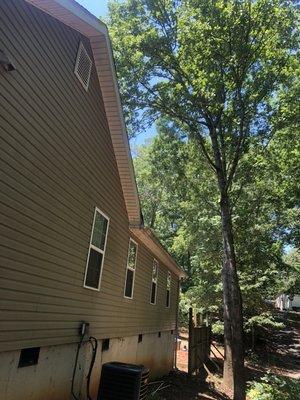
[154,280]
[91,246]
[131,269]
[169,289]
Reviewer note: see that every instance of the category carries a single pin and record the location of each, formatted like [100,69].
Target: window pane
[132,255]
[129,283]
[99,232]
[93,269]
[169,281]
[154,269]
[168,298]
[153,292]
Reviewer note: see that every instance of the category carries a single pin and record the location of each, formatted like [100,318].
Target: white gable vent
[83,66]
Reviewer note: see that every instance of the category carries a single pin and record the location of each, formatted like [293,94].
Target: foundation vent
[83,66]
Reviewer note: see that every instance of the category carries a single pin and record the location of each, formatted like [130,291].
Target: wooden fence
[199,344]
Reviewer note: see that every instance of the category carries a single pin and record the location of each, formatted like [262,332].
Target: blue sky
[96,7]
[99,9]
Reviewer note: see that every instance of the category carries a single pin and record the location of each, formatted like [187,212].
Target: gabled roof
[77,17]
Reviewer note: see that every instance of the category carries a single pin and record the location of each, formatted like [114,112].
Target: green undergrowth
[272,387]
[154,396]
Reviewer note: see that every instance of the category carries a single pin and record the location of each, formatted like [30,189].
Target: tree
[214,68]
[290,282]
[181,205]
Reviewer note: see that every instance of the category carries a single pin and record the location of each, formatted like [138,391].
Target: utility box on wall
[123,381]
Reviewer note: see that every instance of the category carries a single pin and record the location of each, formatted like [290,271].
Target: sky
[96,7]
[99,9]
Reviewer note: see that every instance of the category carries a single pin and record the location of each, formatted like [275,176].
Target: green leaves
[201,62]
[263,320]
[180,200]
[221,77]
[272,387]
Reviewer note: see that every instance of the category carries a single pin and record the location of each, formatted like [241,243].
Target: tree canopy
[180,202]
[220,71]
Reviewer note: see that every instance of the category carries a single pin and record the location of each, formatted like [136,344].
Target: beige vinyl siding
[56,165]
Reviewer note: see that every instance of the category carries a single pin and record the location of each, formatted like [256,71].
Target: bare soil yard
[280,355]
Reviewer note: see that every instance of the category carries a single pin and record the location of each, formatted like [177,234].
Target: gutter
[147,237]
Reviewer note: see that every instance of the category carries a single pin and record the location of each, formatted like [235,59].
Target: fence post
[198,346]
[190,343]
[198,319]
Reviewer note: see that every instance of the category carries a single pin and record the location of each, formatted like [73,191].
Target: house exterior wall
[296,301]
[284,303]
[51,378]
[56,165]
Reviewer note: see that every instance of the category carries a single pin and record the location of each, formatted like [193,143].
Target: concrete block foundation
[51,377]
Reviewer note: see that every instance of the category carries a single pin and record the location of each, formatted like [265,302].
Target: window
[83,66]
[105,344]
[130,270]
[168,289]
[29,357]
[154,282]
[96,251]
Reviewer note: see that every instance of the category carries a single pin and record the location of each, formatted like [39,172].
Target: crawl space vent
[83,66]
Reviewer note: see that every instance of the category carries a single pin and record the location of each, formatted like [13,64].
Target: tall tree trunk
[233,375]
[234,372]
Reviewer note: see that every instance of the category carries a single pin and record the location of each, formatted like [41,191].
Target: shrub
[264,320]
[184,305]
[217,328]
[154,396]
[272,387]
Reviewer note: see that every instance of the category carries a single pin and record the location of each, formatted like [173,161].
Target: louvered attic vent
[83,66]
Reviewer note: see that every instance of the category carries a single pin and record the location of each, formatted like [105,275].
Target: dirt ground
[182,352]
[179,386]
[280,355]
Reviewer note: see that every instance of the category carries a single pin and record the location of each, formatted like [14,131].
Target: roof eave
[148,238]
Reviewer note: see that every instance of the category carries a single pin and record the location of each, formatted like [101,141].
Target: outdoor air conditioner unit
[123,381]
